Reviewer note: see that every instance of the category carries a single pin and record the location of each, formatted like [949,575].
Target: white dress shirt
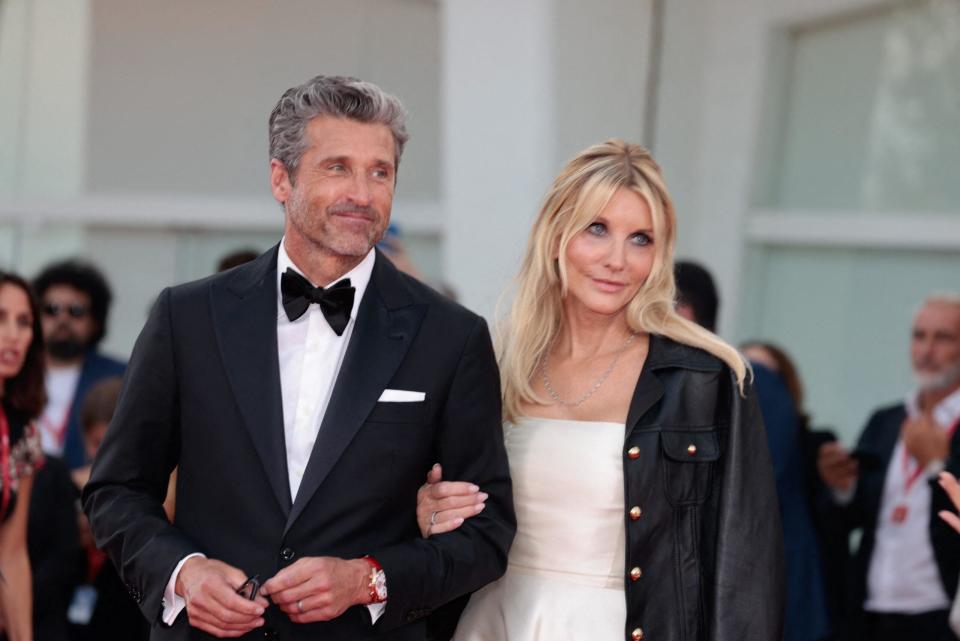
[310,355]
[61,384]
[903,577]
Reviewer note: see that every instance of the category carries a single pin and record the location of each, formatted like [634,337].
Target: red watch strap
[372,561]
[377,578]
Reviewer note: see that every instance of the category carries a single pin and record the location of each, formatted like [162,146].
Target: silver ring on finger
[433,519]
[300,605]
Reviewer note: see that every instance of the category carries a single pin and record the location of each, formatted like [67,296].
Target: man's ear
[280,183]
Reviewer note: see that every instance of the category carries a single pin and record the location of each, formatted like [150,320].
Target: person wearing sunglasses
[74,302]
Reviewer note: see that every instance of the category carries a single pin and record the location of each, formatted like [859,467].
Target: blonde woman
[645,499]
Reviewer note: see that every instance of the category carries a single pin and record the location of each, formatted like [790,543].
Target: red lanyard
[917,473]
[58,432]
[5,461]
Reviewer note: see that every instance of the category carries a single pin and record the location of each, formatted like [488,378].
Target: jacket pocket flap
[390,412]
[689,446]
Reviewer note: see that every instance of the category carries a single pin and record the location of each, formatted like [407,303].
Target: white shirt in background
[61,384]
[903,577]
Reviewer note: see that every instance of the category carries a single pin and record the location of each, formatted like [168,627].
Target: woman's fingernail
[479,507]
[474,488]
[483,496]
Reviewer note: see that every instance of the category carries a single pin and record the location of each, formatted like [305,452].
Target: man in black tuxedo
[304,396]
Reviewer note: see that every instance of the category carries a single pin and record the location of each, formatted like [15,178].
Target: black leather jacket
[704,557]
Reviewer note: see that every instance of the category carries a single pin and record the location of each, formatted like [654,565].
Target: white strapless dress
[565,577]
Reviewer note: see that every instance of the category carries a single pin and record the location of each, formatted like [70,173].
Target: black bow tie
[336,301]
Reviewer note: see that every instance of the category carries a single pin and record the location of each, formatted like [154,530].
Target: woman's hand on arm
[443,506]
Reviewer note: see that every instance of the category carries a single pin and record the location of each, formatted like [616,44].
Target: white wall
[180,91]
[526,86]
[834,280]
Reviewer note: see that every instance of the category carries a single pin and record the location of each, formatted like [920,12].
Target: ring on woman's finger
[433,518]
[300,605]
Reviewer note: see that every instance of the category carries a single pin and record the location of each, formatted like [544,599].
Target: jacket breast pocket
[398,412]
[689,459]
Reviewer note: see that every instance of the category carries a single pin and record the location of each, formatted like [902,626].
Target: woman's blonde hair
[576,198]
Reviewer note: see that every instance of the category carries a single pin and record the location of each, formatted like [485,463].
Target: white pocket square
[401,396]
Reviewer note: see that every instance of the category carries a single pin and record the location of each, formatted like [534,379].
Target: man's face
[935,346]
[340,198]
[68,325]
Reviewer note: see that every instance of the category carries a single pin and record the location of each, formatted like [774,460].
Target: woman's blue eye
[597,229]
[641,238]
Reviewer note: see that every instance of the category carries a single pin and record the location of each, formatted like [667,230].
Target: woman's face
[16,329]
[609,261]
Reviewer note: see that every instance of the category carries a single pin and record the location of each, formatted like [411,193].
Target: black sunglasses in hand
[250,588]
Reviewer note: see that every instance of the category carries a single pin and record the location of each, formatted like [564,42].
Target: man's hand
[319,588]
[442,506]
[836,467]
[924,439]
[213,605]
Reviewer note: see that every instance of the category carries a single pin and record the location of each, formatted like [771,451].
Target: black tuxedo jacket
[202,392]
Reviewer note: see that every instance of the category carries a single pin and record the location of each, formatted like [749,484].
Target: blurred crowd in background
[867,556]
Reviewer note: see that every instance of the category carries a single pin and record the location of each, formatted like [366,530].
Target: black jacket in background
[878,440]
[53,544]
[946,540]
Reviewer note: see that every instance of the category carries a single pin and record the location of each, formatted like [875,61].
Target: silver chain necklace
[555,396]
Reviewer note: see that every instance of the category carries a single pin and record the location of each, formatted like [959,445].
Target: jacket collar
[664,353]
[667,353]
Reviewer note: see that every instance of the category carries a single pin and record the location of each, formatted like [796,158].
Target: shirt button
[692,449]
[635,512]
[636,573]
[634,452]
[637,634]
[287,554]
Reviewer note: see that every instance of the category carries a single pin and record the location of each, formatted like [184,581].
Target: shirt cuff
[173,603]
[844,497]
[376,610]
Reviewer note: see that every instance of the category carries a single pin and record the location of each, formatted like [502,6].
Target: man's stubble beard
[316,231]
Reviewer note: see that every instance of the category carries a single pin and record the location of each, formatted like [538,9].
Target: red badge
[899,514]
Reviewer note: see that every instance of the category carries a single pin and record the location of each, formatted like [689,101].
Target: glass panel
[844,316]
[871,114]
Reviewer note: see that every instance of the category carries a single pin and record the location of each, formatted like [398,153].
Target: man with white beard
[901,586]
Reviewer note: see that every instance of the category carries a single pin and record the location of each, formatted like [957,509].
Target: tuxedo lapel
[387,320]
[245,317]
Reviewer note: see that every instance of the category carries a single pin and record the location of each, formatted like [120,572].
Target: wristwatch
[378,581]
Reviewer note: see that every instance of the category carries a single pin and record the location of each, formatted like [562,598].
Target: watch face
[380,585]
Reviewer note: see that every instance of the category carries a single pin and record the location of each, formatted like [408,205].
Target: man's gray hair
[337,97]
